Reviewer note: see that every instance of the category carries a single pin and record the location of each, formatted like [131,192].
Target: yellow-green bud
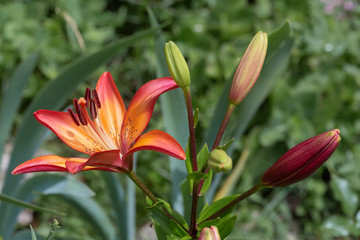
[219,161]
[177,65]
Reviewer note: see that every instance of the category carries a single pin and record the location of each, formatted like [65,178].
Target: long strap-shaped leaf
[12,97]
[70,190]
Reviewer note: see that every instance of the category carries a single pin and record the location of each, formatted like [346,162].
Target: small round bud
[177,65]
[219,161]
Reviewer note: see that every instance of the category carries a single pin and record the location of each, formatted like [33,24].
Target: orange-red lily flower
[101,127]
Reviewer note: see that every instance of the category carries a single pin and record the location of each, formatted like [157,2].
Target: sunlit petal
[159,141]
[64,127]
[44,164]
[112,111]
[108,159]
[141,108]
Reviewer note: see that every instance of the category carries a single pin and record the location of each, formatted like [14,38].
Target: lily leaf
[197,176]
[216,206]
[33,235]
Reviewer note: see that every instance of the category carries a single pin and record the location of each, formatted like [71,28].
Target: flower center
[90,103]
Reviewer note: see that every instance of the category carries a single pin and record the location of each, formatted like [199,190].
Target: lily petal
[159,141]
[111,160]
[44,164]
[112,109]
[141,108]
[71,134]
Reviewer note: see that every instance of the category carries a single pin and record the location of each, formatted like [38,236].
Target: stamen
[93,110]
[82,117]
[73,117]
[79,112]
[87,97]
[96,98]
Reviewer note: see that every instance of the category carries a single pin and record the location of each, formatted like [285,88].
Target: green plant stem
[150,195]
[192,139]
[193,158]
[140,184]
[223,125]
[246,194]
[194,203]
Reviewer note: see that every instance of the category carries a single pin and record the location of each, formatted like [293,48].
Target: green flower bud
[219,161]
[177,65]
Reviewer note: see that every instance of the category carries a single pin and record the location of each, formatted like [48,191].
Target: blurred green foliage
[319,91]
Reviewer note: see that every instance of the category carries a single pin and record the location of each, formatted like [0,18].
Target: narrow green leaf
[187,200]
[226,145]
[118,203]
[33,235]
[70,186]
[174,116]
[216,206]
[168,226]
[226,225]
[12,96]
[14,201]
[197,176]
[94,214]
[37,184]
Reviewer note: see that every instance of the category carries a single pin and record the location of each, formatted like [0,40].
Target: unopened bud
[302,160]
[249,68]
[177,65]
[219,161]
[211,233]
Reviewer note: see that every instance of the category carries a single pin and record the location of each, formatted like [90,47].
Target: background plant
[318,90]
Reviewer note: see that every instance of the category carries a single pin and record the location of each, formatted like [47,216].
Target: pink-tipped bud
[249,68]
[302,160]
[211,233]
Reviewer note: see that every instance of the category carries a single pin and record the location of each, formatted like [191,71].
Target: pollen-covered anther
[73,117]
[96,98]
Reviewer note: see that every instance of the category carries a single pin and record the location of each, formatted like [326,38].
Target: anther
[82,118]
[87,97]
[73,117]
[79,112]
[96,98]
[93,110]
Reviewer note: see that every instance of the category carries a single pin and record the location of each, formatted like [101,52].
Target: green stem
[246,194]
[150,195]
[193,158]
[192,139]
[140,184]
[223,125]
